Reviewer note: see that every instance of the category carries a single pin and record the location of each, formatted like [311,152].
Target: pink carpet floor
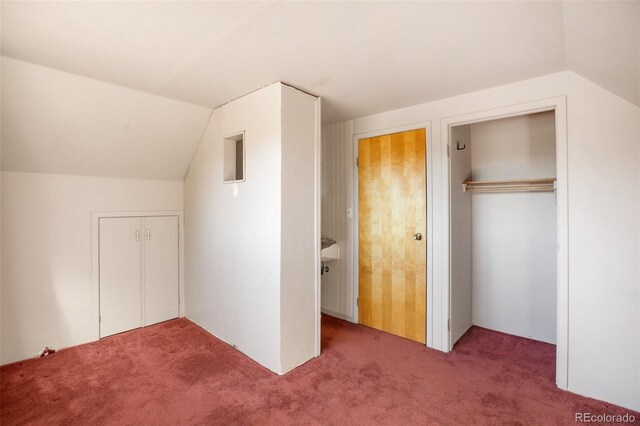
[176,373]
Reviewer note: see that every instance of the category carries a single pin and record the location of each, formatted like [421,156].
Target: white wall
[299,256]
[521,147]
[461,235]
[232,243]
[604,221]
[47,291]
[604,216]
[235,245]
[514,234]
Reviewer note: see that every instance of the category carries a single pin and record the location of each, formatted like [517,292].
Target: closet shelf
[516,185]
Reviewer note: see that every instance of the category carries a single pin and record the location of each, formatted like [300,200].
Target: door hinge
[449,324]
[99,318]
[357,161]
[357,301]
[448,153]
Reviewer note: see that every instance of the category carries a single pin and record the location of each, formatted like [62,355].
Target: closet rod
[519,185]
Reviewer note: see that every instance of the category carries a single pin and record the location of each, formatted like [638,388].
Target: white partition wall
[252,247]
[299,312]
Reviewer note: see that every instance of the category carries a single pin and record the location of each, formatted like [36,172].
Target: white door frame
[95,258]
[426,125]
[559,106]
[317,225]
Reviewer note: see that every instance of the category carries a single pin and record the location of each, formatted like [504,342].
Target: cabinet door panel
[120,274]
[160,269]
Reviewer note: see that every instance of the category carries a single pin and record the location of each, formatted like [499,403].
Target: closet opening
[504,228]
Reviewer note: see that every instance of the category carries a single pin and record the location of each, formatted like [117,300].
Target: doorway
[392,225]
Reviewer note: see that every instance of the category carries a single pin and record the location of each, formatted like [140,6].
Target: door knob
[417,236]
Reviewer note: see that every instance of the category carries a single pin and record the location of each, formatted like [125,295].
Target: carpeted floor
[176,373]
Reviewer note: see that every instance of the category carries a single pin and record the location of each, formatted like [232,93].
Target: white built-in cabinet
[139,276]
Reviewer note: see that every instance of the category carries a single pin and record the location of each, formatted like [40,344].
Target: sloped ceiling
[56,122]
[361,57]
[602,43]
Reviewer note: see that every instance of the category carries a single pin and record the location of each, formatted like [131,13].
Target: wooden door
[392,211]
[161,280]
[120,274]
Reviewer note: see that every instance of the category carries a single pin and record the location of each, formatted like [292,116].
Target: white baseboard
[338,315]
